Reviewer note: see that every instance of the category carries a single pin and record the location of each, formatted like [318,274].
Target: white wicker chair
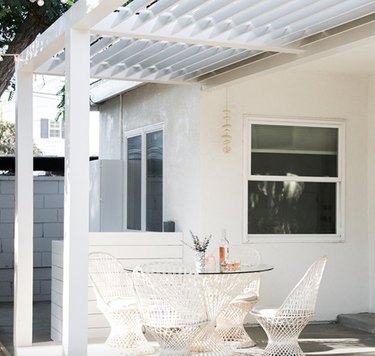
[172,304]
[284,325]
[115,296]
[230,321]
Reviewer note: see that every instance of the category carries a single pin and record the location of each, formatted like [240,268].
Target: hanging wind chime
[226,127]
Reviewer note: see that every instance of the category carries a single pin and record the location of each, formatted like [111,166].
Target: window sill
[308,238]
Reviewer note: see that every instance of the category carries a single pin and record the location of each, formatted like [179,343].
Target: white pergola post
[76,202]
[23,233]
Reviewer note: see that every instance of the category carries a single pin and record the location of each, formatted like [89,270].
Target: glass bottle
[224,249]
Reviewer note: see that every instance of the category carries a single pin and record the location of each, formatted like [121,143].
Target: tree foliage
[20,22]
[8,139]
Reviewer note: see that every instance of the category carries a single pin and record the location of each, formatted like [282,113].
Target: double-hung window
[294,180]
[144,179]
[51,128]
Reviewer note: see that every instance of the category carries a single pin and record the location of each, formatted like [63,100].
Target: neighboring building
[48,132]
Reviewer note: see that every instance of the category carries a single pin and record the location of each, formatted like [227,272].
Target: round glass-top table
[220,287]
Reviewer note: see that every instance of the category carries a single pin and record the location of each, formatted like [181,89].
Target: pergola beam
[341,38]
[83,15]
[106,31]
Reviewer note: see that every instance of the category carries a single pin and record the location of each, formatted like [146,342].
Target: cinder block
[54,201]
[7,186]
[7,201]
[46,259]
[46,187]
[6,260]
[37,259]
[7,230]
[7,216]
[7,275]
[60,215]
[45,287]
[42,274]
[5,289]
[42,297]
[38,201]
[61,186]
[36,287]
[6,245]
[6,299]
[53,229]
[42,244]
[45,215]
[38,230]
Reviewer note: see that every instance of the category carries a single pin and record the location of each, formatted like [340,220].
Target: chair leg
[283,333]
[230,324]
[126,334]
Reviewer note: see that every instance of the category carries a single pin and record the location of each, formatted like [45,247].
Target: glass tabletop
[217,270]
[243,269]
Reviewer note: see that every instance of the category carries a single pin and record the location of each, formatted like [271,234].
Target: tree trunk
[30,28]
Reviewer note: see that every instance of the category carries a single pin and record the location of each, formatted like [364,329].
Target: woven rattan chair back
[171,303]
[302,299]
[109,279]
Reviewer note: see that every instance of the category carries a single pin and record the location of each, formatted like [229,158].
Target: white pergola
[198,42]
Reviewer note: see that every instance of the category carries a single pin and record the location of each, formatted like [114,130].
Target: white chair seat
[122,303]
[245,298]
[268,312]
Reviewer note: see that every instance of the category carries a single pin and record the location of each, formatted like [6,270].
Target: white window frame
[59,128]
[339,236]
[143,131]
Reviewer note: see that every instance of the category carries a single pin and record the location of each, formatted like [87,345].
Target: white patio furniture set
[192,314]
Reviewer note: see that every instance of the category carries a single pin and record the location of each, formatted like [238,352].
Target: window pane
[291,208]
[154,200]
[54,128]
[282,164]
[302,151]
[134,183]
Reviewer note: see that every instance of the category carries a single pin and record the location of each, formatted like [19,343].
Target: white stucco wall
[110,129]
[177,107]
[204,188]
[345,287]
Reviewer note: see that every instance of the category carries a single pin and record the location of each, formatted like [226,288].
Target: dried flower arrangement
[198,244]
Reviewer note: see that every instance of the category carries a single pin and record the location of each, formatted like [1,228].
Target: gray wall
[48,226]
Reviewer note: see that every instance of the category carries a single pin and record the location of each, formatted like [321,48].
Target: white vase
[200,261]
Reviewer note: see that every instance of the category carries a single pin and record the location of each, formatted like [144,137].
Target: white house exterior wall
[204,188]
[177,107]
[345,287]
[110,130]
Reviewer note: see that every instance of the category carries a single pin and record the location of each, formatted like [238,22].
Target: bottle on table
[224,249]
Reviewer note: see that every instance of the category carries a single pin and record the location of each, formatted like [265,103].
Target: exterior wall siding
[48,226]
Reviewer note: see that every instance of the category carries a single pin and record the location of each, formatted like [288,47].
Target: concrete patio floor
[316,339]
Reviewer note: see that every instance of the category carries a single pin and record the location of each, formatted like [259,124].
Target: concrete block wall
[48,226]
